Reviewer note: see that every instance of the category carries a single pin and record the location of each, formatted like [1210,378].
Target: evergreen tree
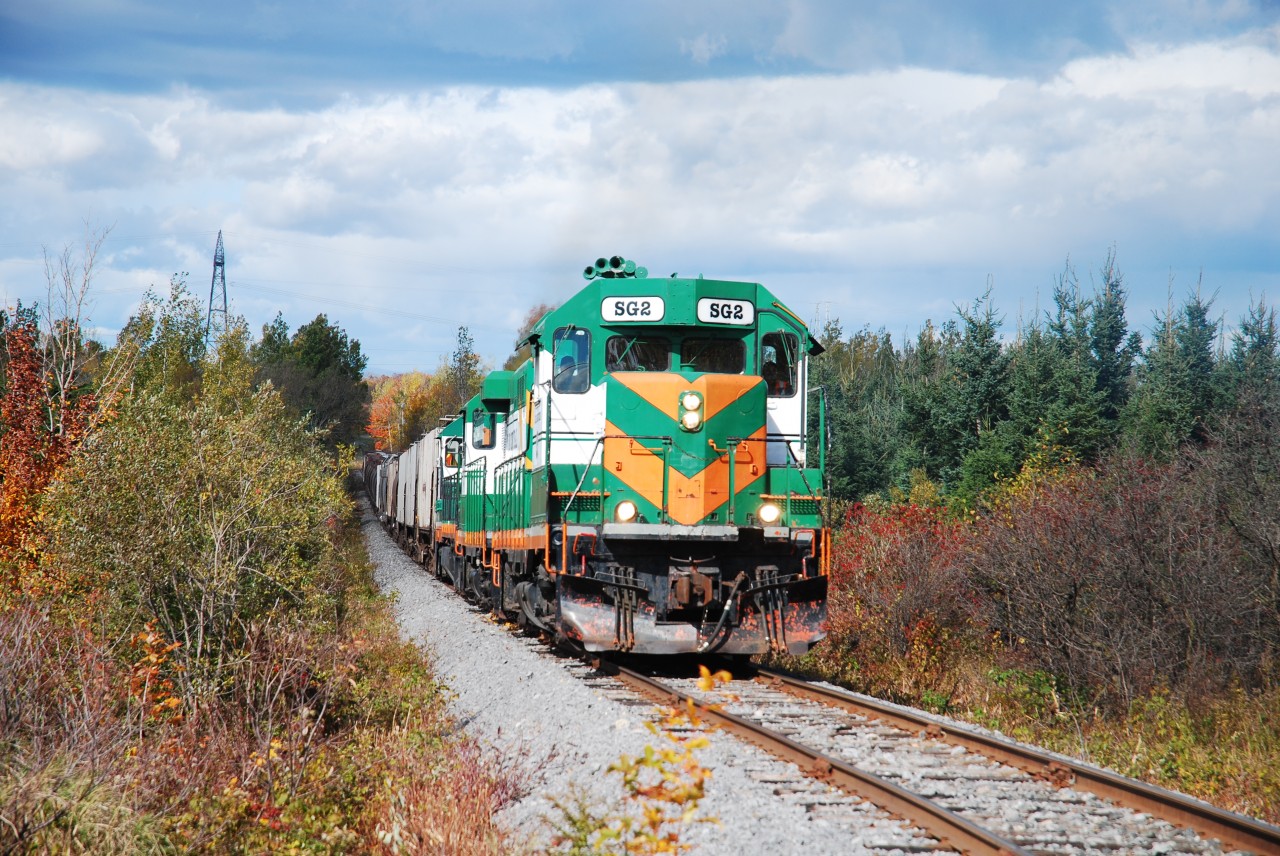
[324,348]
[319,372]
[1054,387]
[923,400]
[1179,384]
[967,398]
[860,377]
[1255,361]
[1114,349]
[1195,337]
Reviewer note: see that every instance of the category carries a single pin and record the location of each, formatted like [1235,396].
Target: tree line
[963,409]
[406,406]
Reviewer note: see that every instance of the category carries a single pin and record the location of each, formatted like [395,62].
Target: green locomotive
[643,482]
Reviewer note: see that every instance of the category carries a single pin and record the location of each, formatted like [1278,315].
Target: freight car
[644,482]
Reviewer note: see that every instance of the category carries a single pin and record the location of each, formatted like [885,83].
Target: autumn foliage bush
[903,610]
[39,427]
[1116,580]
[1121,581]
[208,519]
[208,667]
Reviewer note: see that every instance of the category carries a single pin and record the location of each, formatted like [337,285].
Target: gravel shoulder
[534,714]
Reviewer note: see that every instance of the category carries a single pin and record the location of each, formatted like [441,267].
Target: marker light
[625,511]
[691,420]
[769,513]
[691,401]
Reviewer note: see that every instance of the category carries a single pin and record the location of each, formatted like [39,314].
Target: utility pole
[217,294]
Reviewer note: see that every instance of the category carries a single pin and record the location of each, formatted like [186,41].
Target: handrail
[667,444]
[586,469]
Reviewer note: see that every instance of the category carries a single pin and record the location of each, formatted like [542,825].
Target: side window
[572,365]
[636,354]
[778,359]
[721,356]
[453,452]
[482,433]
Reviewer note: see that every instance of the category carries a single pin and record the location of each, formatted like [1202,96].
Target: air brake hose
[707,647]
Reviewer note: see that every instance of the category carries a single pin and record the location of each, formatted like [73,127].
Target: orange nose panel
[689,498]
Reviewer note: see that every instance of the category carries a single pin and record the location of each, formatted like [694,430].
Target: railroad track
[966,791]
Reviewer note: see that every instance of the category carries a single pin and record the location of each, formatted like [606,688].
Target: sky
[407,167]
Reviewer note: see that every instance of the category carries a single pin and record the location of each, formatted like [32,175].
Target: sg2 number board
[647,309]
[723,310]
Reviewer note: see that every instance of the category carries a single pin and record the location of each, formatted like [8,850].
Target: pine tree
[1114,349]
[972,399]
[861,378]
[1255,360]
[1180,386]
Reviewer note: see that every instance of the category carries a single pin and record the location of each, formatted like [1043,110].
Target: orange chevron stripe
[690,498]
[662,390]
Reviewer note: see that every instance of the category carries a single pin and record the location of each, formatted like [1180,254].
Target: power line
[351,304]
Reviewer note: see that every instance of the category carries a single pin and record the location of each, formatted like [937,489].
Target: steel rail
[1235,830]
[949,829]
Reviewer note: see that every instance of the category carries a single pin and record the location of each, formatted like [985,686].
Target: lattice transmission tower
[216,324]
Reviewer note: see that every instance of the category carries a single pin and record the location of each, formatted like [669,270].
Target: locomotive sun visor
[497,390]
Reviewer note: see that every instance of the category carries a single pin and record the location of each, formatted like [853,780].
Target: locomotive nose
[712,448]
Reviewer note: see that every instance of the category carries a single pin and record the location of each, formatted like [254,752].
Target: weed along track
[1234,830]
[949,782]
[948,829]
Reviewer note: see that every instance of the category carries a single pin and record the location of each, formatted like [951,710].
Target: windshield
[721,356]
[637,354]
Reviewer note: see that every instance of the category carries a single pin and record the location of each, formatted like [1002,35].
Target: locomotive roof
[680,298]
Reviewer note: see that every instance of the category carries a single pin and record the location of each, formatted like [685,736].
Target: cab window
[482,433]
[637,354]
[778,362]
[453,452]
[720,356]
[572,360]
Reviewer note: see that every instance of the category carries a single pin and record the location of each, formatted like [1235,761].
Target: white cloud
[505,192]
[33,137]
[1184,72]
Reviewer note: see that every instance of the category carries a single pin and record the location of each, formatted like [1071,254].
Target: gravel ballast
[561,733]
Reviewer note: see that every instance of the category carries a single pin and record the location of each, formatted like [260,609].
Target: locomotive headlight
[625,511]
[690,410]
[769,514]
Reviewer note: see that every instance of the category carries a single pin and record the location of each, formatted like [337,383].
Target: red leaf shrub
[902,609]
[1122,582]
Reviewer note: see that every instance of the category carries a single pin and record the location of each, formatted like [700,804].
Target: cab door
[781,362]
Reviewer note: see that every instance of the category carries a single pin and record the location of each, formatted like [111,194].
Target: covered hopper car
[644,482]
